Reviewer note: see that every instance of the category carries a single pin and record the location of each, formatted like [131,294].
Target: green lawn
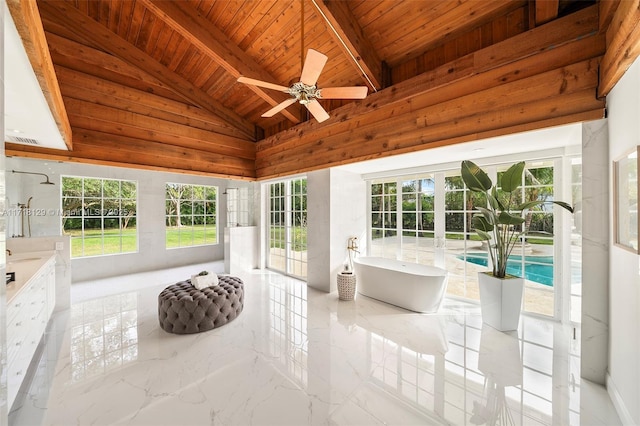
[96,243]
[190,236]
[298,236]
[112,241]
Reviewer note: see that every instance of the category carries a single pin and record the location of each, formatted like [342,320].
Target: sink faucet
[8,252]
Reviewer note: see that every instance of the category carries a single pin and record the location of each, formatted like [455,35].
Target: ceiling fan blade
[312,68]
[317,111]
[260,83]
[276,109]
[356,92]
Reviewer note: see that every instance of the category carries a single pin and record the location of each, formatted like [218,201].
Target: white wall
[624,278]
[336,206]
[595,251]
[318,229]
[152,253]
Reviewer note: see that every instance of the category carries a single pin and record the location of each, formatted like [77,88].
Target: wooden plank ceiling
[152,83]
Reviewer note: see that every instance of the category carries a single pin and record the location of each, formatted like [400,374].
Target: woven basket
[346,286]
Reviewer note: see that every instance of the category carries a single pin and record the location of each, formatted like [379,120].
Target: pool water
[538,269]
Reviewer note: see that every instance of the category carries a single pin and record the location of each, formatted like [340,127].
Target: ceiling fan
[306,92]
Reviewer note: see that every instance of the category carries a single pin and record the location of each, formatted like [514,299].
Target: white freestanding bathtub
[419,288]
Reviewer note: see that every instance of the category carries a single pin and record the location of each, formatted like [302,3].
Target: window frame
[286,226]
[442,236]
[192,200]
[90,213]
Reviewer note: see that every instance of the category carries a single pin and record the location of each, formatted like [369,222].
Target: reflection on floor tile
[104,335]
[298,356]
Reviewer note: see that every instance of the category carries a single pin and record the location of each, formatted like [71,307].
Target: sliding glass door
[426,218]
[287,239]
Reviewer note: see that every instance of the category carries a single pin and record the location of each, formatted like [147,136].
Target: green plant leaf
[483,235]
[512,178]
[564,205]
[530,204]
[493,201]
[480,223]
[490,216]
[494,194]
[474,177]
[506,218]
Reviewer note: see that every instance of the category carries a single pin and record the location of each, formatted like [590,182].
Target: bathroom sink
[27,259]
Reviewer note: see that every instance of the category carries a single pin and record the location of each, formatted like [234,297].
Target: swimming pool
[538,269]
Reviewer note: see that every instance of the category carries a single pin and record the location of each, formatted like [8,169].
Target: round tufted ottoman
[183,309]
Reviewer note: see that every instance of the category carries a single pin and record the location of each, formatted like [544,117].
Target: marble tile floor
[298,356]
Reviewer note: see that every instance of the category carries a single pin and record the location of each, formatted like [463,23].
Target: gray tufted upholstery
[183,309]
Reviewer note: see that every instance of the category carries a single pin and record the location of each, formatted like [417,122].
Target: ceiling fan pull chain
[301,35]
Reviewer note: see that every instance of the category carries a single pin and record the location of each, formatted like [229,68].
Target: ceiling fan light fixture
[305,91]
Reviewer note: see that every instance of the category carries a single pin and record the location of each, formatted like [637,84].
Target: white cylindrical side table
[346,286]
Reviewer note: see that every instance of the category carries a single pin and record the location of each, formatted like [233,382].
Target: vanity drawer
[28,311]
[27,326]
[24,319]
[17,367]
[35,291]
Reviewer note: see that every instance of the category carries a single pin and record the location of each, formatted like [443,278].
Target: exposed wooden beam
[456,19]
[205,36]
[91,116]
[563,91]
[546,75]
[589,115]
[79,85]
[546,10]
[382,145]
[78,57]
[607,9]
[29,25]
[112,43]
[623,45]
[91,147]
[344,28]
[559,43]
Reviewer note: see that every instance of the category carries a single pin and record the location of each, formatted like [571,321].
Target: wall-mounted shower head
[47,182]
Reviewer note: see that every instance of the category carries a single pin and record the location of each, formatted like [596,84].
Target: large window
[465,254]
[191,215]
[535,257]
[99,215]
[384,219]
[288,227]
[418,219]
[426,219]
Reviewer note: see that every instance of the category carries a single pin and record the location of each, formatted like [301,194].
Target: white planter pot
[500,301]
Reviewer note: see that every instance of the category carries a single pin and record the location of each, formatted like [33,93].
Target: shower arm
[47,182]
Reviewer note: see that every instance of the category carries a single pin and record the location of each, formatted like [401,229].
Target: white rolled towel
[203,281]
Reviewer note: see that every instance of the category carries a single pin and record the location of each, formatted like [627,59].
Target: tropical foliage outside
[418,207]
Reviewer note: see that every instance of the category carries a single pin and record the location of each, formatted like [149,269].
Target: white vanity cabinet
[29,306]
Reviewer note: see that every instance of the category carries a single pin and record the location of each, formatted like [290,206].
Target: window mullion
[287,228]
[399,239]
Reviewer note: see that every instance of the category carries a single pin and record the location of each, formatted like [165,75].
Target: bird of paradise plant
[501,222]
